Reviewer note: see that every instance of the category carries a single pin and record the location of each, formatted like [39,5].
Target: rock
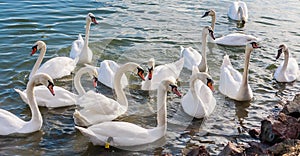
[292,108]
[230,149]
[267,134]
[198,151]
[289,146]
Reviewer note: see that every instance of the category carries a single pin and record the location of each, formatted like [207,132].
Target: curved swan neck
[38,61]
[203,63]
[36,117]
[246,68]
[87,33]
[241,12]
[161,106]
[77,79]
[286,60]
[213,21]
[192,86]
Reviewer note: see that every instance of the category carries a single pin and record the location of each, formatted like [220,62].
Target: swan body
[162,72]
[238,11]
[107,71]
[288,70]
[199,101]
[232,83]
[11,124]
[128,134]
[193,57]
[80,48]
[57,67]
[233,39]
[96,108]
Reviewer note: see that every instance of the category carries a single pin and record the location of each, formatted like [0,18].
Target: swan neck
[161,107]
[286,60]
[36,117]
[38,61]
[246,68]
[213,22]
[77,82]
[241,12]
[87,34]
[203,63]
[121,97]
[192,87]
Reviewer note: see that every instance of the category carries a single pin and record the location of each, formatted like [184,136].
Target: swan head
[210,12]
[93,73]
[38,45]
[140,72]
[252,45]
[44,79]
[205,78]
[170,85]
[282,48]
[91,18]
[207,30]
[151,64]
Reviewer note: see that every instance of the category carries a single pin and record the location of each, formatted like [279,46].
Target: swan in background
[56,67]
[96,108]
[80,48]
[233,39]
[193,57]
[199,101]
[238,11]
[162,72]
[117,133]
[11,124]
[64,97]
[288,70]
[107,71]
[232,83]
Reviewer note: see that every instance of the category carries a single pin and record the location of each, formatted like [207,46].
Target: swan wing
[9,123]
[58,67]
[77,46]
[191,57]
[233,10]
[236,39]
[291,72]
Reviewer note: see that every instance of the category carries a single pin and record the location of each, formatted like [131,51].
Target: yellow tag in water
[107,145]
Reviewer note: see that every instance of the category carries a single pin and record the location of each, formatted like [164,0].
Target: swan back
[236,9]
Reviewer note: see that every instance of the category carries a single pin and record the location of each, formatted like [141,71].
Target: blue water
[136,31]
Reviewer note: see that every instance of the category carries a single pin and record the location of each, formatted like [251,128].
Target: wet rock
[230,149]
[198,151]
[267,135]
[287,147]
[292,108]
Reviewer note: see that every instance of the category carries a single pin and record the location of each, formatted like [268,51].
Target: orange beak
[150,73]
[210,85]
[34,49]
[95,80]
[141,73]
[50,87]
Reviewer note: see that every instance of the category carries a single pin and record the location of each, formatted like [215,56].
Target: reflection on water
[136,31]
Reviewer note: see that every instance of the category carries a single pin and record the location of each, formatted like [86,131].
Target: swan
[96,108]
[288,70]
[192,57]
[232,83]
[238,11]
[107,71]
[64,97]
[159,73]
[57,67]
[80,48]
[199,101]
[233,39]
[11,124]
[120,134]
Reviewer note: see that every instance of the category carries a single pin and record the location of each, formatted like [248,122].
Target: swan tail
[226,61]
[22,95]
[79,119]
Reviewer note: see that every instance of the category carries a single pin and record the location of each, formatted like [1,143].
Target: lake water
[136,31]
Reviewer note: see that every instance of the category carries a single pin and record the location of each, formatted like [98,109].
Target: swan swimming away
[117,133]
[11,124]
[199,101]
[162,72]
[80,48]
[56,67]
[192,57]
[96,108]
[232,83]
[238,11]
[233,39]
[288,70]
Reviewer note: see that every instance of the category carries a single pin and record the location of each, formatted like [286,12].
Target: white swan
[238,11]
[233,39]
[232,83]
[107,71]
[118,133]
[96,108]
[288,70]
[193,57]
[64,97]
[80,48]
[199,101]
[56,67]
[162,72]
[11,124]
